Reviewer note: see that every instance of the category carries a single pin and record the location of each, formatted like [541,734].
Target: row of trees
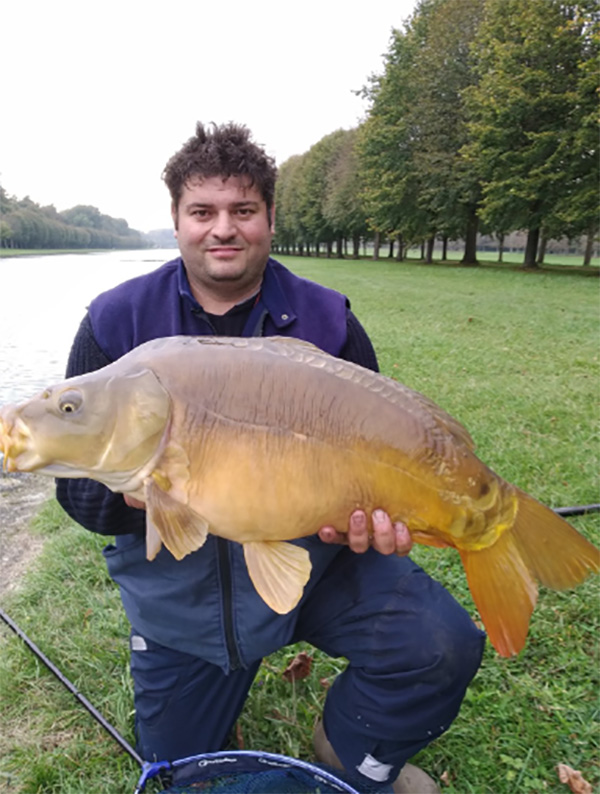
[483,120]
[25,224]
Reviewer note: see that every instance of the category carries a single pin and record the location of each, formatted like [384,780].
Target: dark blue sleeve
[88,502]
[358,347]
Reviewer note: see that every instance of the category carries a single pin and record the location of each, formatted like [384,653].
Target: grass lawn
[515,356]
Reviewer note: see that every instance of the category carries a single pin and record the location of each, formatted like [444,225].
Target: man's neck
[221,301]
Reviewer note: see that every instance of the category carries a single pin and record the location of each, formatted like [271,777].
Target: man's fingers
[403,539]
[384,534]
[331,535]
[358,532]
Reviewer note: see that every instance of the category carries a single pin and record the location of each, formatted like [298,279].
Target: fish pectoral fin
[153,541]
[279,571]
[504,592]
[178,527]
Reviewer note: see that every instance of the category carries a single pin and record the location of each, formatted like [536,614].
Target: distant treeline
[483,121]
[25,224]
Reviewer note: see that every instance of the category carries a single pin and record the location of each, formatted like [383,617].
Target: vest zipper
[235,663]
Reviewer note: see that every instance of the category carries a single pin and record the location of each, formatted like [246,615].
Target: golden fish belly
[258,484]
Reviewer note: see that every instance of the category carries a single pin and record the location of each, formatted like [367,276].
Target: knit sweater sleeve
[88,502]
[358,347]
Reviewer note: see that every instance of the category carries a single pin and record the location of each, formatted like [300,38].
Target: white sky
[95,97]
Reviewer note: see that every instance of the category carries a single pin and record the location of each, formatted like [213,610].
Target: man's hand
[386,537]
[131,501]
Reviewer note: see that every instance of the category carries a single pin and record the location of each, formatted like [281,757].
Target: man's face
[224,235]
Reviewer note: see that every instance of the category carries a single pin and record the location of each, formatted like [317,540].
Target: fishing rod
[577,510]
[148,769]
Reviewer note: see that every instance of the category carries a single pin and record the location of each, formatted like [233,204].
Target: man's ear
[174,217]
[272,219]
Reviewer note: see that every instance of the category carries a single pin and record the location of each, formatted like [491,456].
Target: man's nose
[224,226]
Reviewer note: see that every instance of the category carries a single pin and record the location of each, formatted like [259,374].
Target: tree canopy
[25,224]
[485,116]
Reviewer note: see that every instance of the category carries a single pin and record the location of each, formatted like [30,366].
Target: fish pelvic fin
[555,552]
[504,592]
[279,571]
[540,546]
[179,528]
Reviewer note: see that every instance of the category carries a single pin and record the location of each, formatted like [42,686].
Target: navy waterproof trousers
[412,651]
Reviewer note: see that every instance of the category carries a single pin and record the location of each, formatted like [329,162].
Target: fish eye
[70,401]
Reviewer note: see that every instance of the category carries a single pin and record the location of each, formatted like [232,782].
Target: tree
[386,141]
[343,207]
[441,73]
[529,67]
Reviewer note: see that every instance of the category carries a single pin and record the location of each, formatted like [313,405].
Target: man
[199,629]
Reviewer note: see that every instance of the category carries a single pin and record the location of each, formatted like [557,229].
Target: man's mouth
[224,251]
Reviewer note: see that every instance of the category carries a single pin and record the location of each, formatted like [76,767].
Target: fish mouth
[15,442]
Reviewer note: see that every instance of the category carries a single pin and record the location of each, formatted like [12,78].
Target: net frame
[208,766]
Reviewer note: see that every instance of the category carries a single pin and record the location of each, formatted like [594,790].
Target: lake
[44,298]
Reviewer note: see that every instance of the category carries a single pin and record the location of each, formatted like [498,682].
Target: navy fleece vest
[161,304]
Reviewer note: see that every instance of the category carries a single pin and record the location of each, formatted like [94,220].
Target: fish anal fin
[278,571]
[178,527]
[504,592]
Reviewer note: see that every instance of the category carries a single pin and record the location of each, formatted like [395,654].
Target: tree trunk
[533,237]
[500,247]
[444,248]
[376,244]
[542,250]
[317,249]
[391,248]
[430,244]
[329,246]
[339,244]
[589,248]
[470,253]
[423,249]
[400,254]
[356,246]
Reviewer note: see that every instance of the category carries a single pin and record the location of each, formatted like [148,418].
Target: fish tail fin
[555,552]
[504,592]
[502,578]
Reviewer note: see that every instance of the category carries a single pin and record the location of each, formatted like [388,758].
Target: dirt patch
[21,496]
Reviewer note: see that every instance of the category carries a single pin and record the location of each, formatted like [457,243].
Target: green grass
[515,357]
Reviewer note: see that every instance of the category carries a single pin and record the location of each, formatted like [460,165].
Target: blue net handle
[208,765]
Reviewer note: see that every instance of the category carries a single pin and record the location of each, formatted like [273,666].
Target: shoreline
[21,497]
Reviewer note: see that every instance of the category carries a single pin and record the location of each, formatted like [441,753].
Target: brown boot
[411,779]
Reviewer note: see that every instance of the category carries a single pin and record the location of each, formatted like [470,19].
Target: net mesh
[247,772]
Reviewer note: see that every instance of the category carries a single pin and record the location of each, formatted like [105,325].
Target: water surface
[44,298]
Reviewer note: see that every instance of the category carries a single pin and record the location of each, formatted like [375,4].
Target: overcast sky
[97,96]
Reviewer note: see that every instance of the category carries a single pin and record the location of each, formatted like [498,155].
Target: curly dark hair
[225,150]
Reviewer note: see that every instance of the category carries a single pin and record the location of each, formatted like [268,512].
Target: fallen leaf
[325,683]
[239,736]
[298,668]
[574,779]
[445,778]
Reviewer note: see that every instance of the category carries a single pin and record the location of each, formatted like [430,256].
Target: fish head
[106,425]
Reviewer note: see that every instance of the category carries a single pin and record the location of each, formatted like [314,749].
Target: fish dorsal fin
[179,528]
[279,571]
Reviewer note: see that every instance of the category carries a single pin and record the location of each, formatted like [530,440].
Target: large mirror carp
[262,441]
